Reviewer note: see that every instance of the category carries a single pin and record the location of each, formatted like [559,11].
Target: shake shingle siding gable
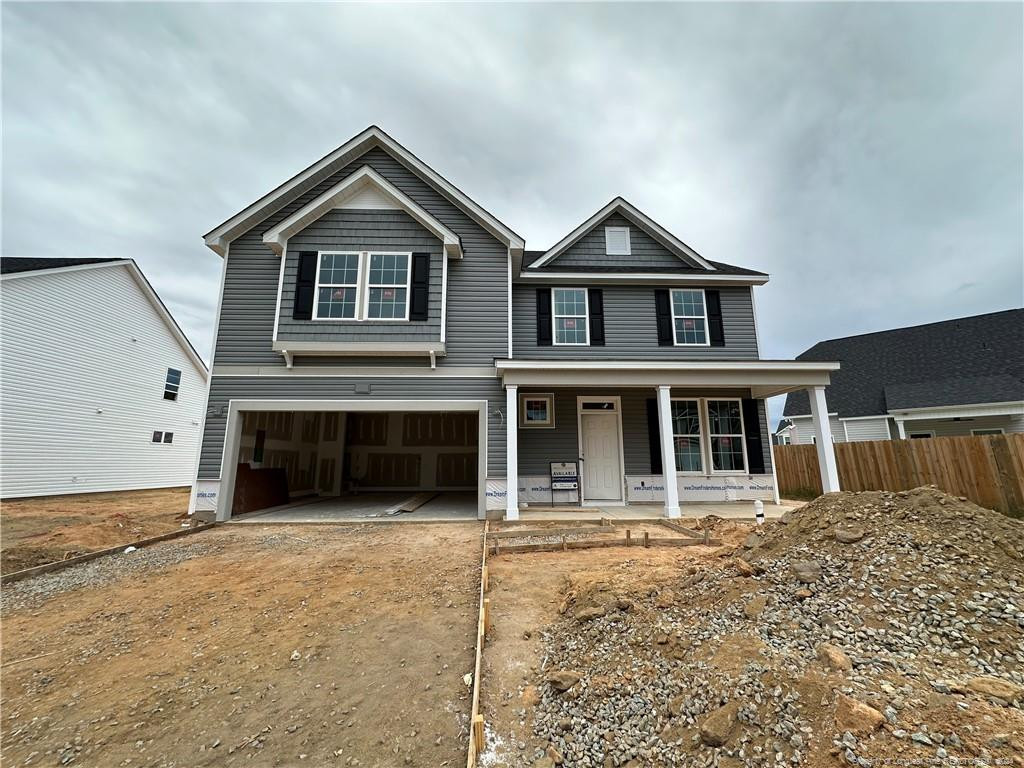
[630,327]
[362,230]
[968,361]
[477,284]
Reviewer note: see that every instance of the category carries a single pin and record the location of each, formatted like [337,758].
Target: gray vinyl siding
[590,250]
[362,230]
[477,284]
[538,447]
[630,327]
[226,388]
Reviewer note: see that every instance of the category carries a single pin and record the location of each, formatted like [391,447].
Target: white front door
[601,460]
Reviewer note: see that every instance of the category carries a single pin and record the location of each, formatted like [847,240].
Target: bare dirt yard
[248,645]
[864,629]
[48,528]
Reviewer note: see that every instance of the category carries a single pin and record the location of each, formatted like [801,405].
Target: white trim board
[345,372]
[684,252]
[218,238]
[346,190]
[643,278]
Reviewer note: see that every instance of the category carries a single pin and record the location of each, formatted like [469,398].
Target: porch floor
[366,507]
[733,510]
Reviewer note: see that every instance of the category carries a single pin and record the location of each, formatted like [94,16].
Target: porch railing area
[987,469]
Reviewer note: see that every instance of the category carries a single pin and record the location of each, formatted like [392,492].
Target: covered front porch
[607,434]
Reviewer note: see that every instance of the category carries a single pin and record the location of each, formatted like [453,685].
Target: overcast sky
[868,156]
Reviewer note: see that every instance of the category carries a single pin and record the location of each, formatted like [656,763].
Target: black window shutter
[420,286]
[543,317]
[305,285]
[654,435]
[595,300]
[663,310]
[752,430]
[714,306]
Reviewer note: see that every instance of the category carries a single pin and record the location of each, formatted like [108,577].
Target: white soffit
[217,239]
[361,188]
[655,230]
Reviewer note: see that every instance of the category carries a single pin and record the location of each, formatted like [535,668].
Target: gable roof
[349,189]
[621,206]
[966,361]
[682,269]
[18,268]
[12,265]
[218,238]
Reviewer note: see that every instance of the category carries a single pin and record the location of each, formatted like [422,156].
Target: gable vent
[616,241]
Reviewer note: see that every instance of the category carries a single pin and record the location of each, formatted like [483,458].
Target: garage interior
[337,465]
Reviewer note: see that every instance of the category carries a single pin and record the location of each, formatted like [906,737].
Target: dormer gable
[619,235]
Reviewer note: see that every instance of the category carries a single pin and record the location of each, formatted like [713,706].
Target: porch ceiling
[764,378]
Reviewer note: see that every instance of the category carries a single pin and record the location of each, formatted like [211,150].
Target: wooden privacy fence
[987,469]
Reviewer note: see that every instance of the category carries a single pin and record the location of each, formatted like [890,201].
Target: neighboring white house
[101,390]
[953,378]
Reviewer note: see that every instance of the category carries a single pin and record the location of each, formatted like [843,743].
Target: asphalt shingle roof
[10,265]
[969,360]
[683,269]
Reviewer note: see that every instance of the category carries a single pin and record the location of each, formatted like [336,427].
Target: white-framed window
[569,316]
[388,286]
[163,437]
[337,286]
[616,241]
[362,285]
[686,436]
[171,384]
[536,410]
[991,431]
[689,317]
[726,439]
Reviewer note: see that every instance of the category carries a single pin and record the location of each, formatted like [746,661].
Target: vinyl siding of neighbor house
[803,430]
[85,359]
[477,284]
[860,430]
[225,388]
[950,428]
[590,250]
[539,446]
[630,327]
[362,230]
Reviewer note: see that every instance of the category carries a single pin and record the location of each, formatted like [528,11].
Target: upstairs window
[163,437]
[616,241]
[570,316]
[171,384]
[337,287]
[689,318]
[388,286]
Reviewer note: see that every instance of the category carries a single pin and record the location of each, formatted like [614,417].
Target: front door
[602,465]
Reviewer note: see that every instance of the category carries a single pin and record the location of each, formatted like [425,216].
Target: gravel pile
[862,627]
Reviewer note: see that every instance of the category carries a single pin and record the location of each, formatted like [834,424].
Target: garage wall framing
[233,432]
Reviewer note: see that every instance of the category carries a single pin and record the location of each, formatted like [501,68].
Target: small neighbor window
[163,437]
[337,288]
[996,431]
[570,316]
[171,384]
[388,296]
[725,430]
[616,241]
[536,410]
[686,435]
[689,317]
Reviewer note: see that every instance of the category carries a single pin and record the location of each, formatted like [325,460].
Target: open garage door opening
[355,464]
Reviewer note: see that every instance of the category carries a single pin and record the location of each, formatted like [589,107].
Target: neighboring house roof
[218,238]
[784,424]
[18,267]
[966,361]
[11,265]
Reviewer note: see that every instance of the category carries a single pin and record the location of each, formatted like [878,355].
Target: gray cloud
[869,156]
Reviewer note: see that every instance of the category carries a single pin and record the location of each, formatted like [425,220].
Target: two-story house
[380,330]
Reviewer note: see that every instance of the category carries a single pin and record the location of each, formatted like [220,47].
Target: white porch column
[823,439]
[668,451]
[900,429]
[512,452]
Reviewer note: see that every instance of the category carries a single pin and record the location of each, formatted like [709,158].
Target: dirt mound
[866,627]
